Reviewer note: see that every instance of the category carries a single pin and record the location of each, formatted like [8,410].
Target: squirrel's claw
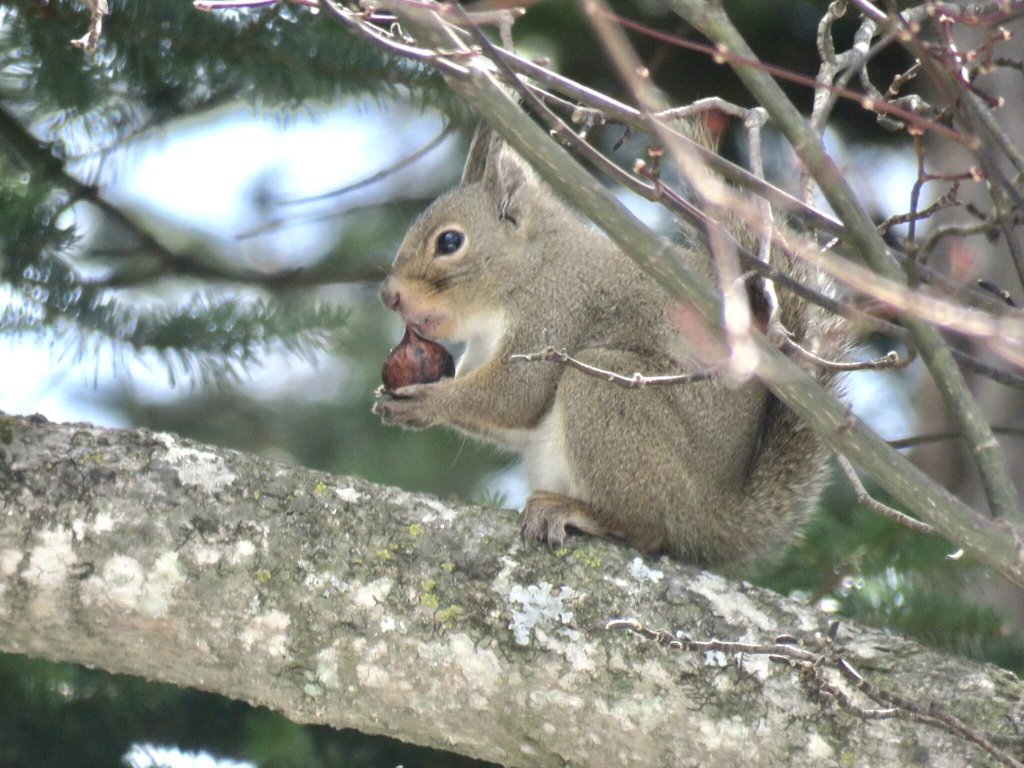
[545,525]
[547,514]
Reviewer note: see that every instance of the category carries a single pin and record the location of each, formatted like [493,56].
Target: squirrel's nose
[392,299]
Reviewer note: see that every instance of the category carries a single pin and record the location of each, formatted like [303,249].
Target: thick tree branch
[336,601]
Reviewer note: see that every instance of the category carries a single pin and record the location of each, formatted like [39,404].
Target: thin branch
[948,200]
[811,676]
[185,265]
[333,215]
[972,363]
[635,381]
[281,222]
[914,304]
[867,500]
[891,361]
[930,716]
[988,227]
[559,129]
[151,259]
[502,18]
[45,163]
[357,22]
[977,118]
[712,196]
[219,5]
[825,97]
[88,42]
[725,54]
[915,440]
[616,111]
[384,173]
[984,13]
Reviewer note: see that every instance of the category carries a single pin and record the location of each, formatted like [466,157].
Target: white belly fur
[481,334]
[546,457]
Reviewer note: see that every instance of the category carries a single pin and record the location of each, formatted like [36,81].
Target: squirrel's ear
[479,152]
[508,181]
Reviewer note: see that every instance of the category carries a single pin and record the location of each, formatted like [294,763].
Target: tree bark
[337,601]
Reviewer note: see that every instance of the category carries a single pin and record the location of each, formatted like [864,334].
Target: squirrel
[707,472]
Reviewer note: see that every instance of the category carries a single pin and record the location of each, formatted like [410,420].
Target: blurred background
[193,224]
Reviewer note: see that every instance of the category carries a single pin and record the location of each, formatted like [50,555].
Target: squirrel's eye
[448,242]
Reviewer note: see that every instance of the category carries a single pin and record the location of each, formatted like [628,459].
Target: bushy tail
[789,472]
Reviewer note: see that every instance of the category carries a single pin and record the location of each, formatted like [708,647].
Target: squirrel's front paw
[407,407]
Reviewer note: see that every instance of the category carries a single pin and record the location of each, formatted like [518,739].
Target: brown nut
[416,360]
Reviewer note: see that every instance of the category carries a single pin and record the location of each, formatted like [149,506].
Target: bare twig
[939,233]
[614,111]
[811,665]
[737,316]
[948,200]
[443,60]
[44,163]
[217,5]
[945,66]
[932,715]
[831,65]
[88,42]
[398,165]
[910,442]
[635,381]
[280,222]
[723,54]
[502,18]
[912,303]
[889,362]
[866,499]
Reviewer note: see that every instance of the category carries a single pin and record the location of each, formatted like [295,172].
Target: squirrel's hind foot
[547,514]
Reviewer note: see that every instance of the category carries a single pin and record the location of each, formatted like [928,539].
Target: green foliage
[492,498]
[162,59]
